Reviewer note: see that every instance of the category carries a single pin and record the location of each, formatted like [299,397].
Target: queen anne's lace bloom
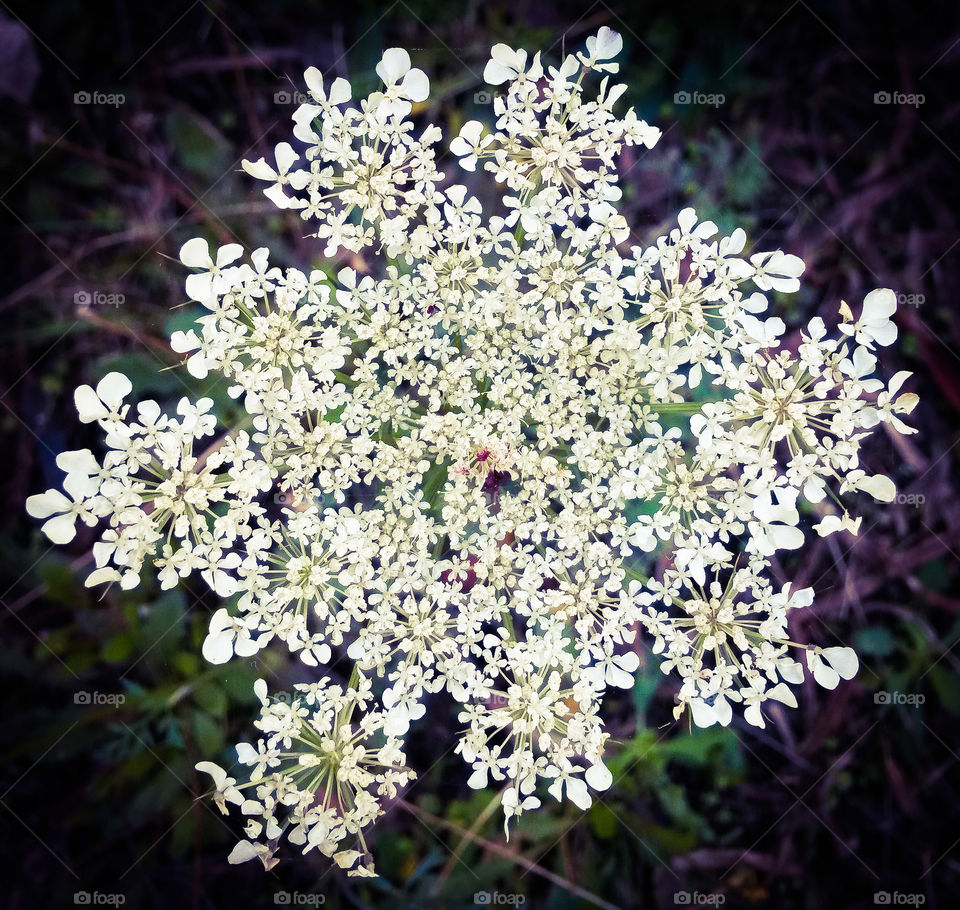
[448,469]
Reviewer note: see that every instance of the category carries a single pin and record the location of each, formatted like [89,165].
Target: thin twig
[500,850]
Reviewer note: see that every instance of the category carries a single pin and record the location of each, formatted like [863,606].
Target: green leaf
[207,733]
[144,372]
[435,478]
[946,684]
[199,145]
[211,697]
[118,648]
[603,821]
[877,641]
[61,584]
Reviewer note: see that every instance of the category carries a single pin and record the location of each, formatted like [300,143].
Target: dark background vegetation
[839,803]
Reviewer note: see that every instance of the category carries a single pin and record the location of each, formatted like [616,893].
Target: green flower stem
[677,407]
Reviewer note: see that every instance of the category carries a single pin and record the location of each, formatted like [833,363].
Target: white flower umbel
[451,468]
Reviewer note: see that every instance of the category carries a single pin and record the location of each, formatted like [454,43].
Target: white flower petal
[113,388]
[259,169]
[89,406]
[598,776]
[218,648]
[416,85]
[43,505]
[196,254]
[340,91]
[843,660]
[703,714]
[247,754]
[242,852]
[285,156]
[607,44]
[61,529]
[394,65]
[80,461]
[879,305]
[215,771]
[879,486]
[578,794]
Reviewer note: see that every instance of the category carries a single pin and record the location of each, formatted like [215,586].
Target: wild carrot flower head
[451,467]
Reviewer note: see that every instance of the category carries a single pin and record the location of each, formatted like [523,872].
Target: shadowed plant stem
[428,817]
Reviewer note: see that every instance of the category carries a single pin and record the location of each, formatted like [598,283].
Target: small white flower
[506,64]
[188,343]
[227,637]
[833,523]
[774,526]
[603,46]
[61,513]
[403,83]
[105,402]
[575,788]
[468,144]
[339,89]
[766,333]
[282,177]
[875,325]
[830,665]
[225,785]
[215,276]
[777,271]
